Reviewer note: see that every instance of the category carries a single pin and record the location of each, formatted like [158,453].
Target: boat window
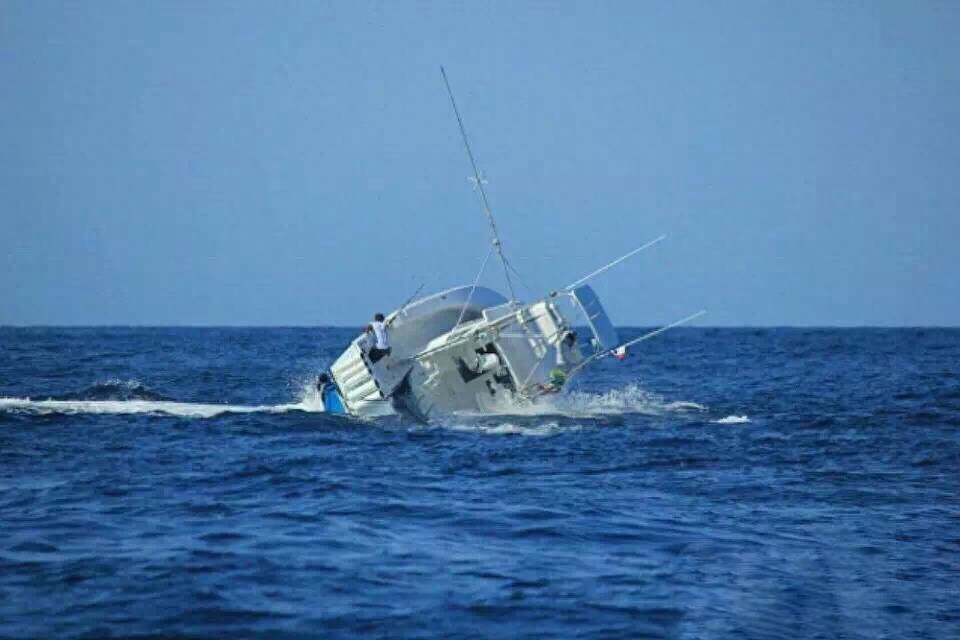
[592,314]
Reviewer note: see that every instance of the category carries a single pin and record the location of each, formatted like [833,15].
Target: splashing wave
[732,420]
[515,428]
[631,399]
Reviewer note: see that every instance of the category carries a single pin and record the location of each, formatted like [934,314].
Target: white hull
[498,357]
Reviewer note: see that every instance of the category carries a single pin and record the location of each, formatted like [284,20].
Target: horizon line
[356,327]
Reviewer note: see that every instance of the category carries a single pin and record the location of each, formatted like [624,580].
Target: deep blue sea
[719,483]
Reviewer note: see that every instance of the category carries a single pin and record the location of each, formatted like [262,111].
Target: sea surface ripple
[720,483]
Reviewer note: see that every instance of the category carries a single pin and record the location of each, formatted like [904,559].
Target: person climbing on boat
[558,377]
[377,330]
[567,353]
[568,356]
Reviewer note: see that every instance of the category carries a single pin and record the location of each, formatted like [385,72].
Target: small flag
[619,353]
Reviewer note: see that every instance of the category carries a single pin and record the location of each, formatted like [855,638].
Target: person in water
[377,333]
[322,381]
[329,395]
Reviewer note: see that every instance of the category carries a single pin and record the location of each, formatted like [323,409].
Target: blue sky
[298,162]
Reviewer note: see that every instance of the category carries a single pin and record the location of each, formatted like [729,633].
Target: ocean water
[719,483]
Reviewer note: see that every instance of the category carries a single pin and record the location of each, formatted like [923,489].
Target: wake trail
[95,404]
[139,407]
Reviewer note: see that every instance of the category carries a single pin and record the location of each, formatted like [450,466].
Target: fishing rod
[478,181]
[406,304]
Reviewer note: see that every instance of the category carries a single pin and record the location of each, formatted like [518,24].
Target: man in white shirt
[381,342]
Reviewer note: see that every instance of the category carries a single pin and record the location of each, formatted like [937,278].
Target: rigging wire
[520,278]
[479,186]
[474,287]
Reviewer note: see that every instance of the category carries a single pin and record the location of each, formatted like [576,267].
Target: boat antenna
[478,181]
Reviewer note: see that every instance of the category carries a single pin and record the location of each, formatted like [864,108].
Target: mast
[483,194]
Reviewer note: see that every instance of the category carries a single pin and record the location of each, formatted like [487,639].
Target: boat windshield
[596,317]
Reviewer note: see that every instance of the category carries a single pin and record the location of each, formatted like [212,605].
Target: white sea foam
[732,420]
[310,399]
[131,407]
[629,399]
[129,383]
[510,428]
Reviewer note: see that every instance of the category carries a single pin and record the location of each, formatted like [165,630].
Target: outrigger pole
[483,194]
[644,337]
[579,282]
[657,332]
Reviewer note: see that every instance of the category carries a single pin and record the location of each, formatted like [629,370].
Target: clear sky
[299,163]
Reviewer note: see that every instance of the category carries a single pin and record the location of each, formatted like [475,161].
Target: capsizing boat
[473,349]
